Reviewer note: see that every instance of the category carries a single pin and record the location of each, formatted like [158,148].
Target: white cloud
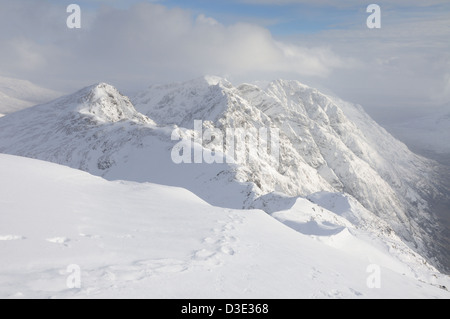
[149,42]
[202,19]
[404,64]
[25,54]
[400,69]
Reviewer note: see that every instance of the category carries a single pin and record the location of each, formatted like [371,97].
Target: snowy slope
[341,222]
[326,145]
[98,130]
[145,240]
[17,94]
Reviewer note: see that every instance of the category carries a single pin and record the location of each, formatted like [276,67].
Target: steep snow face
[351,150]
[222,106]
[105,104]
[133,240]
[182,103]
[16,95]
[325,145]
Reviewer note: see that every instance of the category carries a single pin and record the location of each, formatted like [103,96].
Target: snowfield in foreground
[145,240]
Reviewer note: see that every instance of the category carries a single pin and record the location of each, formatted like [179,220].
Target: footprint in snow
[236,219]
[59,240]
[164,266]
[11,238]
[227,250]
[90,236]
[140,270]
[204,254]
[355,292]
[125,236]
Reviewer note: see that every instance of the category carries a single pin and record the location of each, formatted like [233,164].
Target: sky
[401,69]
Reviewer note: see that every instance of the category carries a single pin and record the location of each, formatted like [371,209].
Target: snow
[326,144]
[11,237]
[17,94]
[341,222]
[142,240]
[344,188]
[96,103]
[98,130]
[428,135]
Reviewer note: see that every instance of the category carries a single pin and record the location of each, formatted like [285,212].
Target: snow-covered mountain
[17,94]
[98,130]
[326,145]
[141,240]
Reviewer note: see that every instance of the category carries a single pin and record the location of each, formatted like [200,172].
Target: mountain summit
[106,104]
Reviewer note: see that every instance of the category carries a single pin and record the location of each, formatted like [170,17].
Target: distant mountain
[326,145]
[17,94]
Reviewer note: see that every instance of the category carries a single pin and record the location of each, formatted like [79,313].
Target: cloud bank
[145,43]
[405,64]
